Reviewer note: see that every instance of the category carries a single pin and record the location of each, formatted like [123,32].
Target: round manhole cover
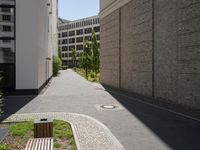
[108,106]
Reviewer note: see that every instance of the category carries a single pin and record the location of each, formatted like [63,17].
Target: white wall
[26,44]
[33,43]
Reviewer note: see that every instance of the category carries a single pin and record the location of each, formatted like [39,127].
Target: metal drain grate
[108,106]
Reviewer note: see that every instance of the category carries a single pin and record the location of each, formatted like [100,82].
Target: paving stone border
[89,133]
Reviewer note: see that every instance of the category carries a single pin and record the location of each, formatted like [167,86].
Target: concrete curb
[88,132]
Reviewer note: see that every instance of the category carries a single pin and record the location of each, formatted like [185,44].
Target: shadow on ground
[178,132]
[12,104]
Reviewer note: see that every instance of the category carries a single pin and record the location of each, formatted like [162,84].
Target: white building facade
[73,34]
[28,40]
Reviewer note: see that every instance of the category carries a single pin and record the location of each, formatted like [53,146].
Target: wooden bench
[40,144]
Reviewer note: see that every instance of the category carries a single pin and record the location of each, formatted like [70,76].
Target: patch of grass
[21,129]
[4,147]
[62,130]
[20,133]
[56,145]
[92,76]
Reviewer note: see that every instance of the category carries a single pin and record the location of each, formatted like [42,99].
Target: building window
[79,32]
[88,38]
[5,9]
[6,41]
[79,39]
[72,40]
[64,48]
[97,29]
[88,30]
[63,55]
[7,28]
[98,37]
[64,34]
[79,47]
[71,47]
[6,17]
[71,33]
[64,41]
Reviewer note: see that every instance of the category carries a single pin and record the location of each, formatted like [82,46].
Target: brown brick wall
[159,45]
[110,49]
[136,47]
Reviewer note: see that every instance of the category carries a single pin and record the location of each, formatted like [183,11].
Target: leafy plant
[4,147]
[95,53]
[74,54]
[89,60]
[21,129]
[57,64]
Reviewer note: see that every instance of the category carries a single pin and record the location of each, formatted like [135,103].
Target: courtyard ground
[137,124]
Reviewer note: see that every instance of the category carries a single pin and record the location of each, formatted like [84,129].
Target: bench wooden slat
[40,144]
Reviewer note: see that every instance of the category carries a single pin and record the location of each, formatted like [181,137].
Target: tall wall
[136,47]
[158,49]
[26,45]
[110,44]
[34,46]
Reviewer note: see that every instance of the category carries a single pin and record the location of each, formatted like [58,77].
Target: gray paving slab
[137,125]
[3,133]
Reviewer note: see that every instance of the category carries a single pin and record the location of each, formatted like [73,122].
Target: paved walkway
[137,125]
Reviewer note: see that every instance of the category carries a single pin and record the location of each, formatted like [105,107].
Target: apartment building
[28,40]
[73,34]
[151,48]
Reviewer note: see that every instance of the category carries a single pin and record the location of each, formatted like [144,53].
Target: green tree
[74,57]
[95,53]
[85,60]
[57,64]
[59,53]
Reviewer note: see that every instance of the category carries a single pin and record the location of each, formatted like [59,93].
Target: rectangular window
[6,41]
[71,47]
[6,17]
[79,39]
[88,38]
[6,28]
[72,40]
[79,32]
[5,9]
[98,37]
[79,47]
[63,55]
[71,33]
[64,41]
[88,30]
[64,48]
[64,34]
[97,29]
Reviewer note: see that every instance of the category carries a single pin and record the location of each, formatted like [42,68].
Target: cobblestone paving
[89,133]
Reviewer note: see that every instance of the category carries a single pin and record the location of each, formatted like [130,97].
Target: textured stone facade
[136,47]
[110,45]
[152,47]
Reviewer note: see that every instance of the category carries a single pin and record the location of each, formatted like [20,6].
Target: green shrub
[57,63]
[4,147]
[64,67]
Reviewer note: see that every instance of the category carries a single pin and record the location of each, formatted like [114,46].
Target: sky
[77,9]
